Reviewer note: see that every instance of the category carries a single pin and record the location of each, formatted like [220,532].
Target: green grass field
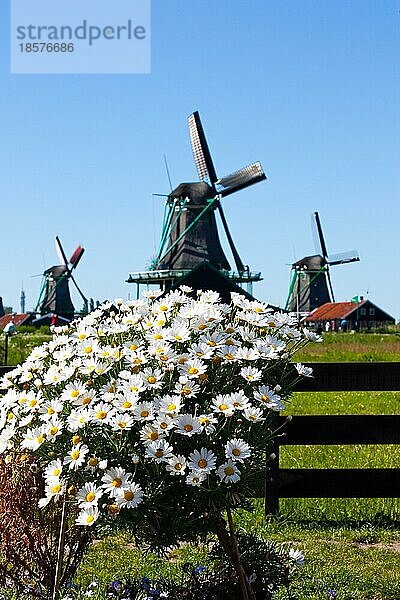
[351,546]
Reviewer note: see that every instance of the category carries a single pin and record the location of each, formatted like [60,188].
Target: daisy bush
[156,412]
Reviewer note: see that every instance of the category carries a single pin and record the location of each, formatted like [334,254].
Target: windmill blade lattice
[240,179]
[201,151]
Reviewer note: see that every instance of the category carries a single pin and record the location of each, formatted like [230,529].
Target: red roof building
[18,319]
[347,316]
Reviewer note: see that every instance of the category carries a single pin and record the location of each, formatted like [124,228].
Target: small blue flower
[332,595]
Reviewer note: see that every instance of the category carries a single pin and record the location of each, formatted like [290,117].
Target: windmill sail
[240,179]
[201,152]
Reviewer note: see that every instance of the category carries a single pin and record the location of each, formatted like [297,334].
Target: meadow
[351,546]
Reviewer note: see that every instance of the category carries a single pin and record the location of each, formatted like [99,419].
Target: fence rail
[334,430]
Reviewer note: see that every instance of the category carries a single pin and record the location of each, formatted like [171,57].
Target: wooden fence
[334,430]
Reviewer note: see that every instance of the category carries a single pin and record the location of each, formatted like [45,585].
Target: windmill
[55,295]
[190,235]
[311,284]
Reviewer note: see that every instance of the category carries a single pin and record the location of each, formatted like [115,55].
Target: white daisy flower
[237,450]
[53,470]
[149,434]
[253,414]
[187,425]
[72,391]
[102,413]
[187,388]
[88,516]
[130,496]
[121,422]
[89,495]
[203,461]
[76,457]
[50,408]
[144,411]
[170,405]
[152,378]
[77,419]
[54,489]
[159,451]
[222,404]
[164,423]
[228,472]
[251,374]
[34,438]
[208,423]
[195,478]
[53,428]
[239,400]
[176,465]
[269,398]
[115,480]
[193,368]
[303,370]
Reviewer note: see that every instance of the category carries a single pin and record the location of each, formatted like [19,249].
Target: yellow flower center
[76,439]
[88,349]
[129,495]
[188,427]
[229,471]
[223,407]
[186,391]
[178,467]
[53,430]
[75,454]
[193,370]
[182,360]
[153,436]
[101,414]
[151,379]
[202,463]
[127,404]
[229,330]
[163,308]
[10,416]
[117,482]
[93,461]
[50,410]
[74,394]
[144,413]
[178,338]
[236,452]
[22,400]
[86,401]
[82,336]
[159,453]
[137,361]
[133,347]
[171,406]
[229,356]
[113,509]
[122,424]
[89,519]
[164,425]
[33,403]
[211,343]
[56,488]
[202,327]
[90,496]
[40,439]
[56,472]
[158,336]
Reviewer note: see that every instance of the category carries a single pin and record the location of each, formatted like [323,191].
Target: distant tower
[22,300]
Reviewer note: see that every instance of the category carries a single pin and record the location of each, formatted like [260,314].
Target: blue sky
[308,87]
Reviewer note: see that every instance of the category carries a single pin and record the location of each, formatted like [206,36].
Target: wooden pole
[60,552]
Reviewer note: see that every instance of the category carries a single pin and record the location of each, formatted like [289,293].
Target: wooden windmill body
[311,284]
[55,296]
[190,243]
